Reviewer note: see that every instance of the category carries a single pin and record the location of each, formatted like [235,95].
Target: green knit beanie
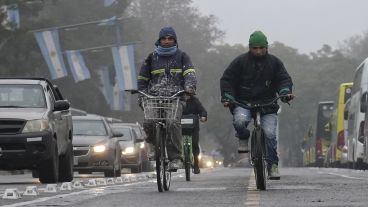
[258,39]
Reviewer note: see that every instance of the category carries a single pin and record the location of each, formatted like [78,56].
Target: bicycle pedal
[243,151]
[274,178]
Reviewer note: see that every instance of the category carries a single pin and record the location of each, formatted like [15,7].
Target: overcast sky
[302,24]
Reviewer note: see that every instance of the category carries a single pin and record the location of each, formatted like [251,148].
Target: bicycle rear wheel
[258,155]
[160,159]
[166,173]
[187,161]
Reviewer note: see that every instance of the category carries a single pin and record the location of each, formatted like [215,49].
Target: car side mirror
[364,102]
[117,134]
[61,105]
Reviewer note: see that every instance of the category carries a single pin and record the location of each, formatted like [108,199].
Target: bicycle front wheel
[258,148]
[166,173]
[160,159]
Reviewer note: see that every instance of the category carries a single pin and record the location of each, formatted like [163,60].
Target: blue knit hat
[164,32]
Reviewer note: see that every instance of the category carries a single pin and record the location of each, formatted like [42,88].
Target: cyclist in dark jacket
[195,107]
[165,72]
[256,77]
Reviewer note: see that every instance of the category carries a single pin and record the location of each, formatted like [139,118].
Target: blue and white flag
[49,43]
[118,103]
[108,22]
[106,85]
[109,2]
[125,67]
[11,20]
[126,101]
[121,101]
[77,65]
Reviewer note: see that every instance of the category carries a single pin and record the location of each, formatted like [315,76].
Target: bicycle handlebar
[133,91]
[251,105]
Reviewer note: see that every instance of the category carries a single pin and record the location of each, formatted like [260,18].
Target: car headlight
[141,145]
[199,157]
[209,164]
[99,148]
[37,125]
[128,150]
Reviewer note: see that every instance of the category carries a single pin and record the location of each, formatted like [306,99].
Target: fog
[305,25]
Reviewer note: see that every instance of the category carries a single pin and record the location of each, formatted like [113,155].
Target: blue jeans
[242,117]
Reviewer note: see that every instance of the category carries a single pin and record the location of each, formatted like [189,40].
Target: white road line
[346,176]
[253,196]
[201,189]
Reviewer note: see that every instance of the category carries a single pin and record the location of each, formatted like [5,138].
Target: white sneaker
[243,146]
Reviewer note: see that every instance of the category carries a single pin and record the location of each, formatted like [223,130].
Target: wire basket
[160,108]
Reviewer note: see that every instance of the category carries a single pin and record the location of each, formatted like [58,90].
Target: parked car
[36,129]
[96,147]
[131,144]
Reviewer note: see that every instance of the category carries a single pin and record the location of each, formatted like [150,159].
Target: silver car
[131,146]
[95,146]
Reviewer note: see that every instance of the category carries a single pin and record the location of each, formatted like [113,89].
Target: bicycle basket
[160,108]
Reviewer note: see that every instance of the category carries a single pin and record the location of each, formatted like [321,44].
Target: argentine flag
[11,19]
[77,65]
[48,41]
[125,67]
[106,85]
[121,100]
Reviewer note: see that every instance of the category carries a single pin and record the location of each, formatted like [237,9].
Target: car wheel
[49,168]
[66,165]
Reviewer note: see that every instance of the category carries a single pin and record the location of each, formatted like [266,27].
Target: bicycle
[187,124]
[258,149]
[160,109]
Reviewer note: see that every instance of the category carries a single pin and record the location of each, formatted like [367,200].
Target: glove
[189,90]
[284,92]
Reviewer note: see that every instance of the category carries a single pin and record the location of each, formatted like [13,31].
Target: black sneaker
[174,165]
[243,146]
[196,170]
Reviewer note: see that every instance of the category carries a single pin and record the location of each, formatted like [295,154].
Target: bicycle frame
[258,153]
[160,109]
[187,123]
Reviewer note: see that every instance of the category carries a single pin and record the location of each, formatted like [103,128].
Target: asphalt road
[213,187]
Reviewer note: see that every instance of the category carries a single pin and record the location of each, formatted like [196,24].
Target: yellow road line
[253,196]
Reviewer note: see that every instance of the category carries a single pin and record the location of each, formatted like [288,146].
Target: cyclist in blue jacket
[166,71]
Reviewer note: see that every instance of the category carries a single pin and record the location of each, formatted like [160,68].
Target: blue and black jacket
[166,75]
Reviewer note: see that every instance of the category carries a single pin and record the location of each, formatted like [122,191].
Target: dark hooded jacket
[166,75]
[256,80]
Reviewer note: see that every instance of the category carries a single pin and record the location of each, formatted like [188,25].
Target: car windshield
[126,132]
[138,131]
[22,96]
[89,128]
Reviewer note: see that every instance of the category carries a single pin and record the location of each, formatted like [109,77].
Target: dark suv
[35,129]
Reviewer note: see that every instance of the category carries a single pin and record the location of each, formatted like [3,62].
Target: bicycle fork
[257,129]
